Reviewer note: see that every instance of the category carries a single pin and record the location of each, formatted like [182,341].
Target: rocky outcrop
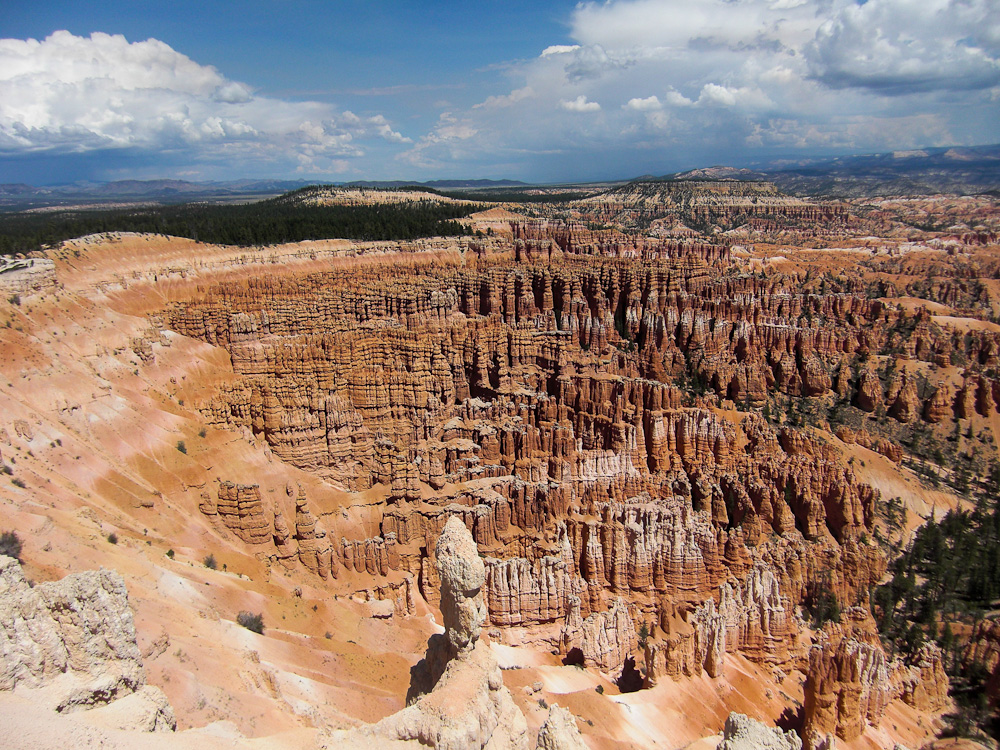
[519,592]
[693,645]
[313,545]
[457,698]
[850,682]
[26,276]
[81,627]
[749,618]
[938,407]
[240,508]
[814,377]
[603,640]
[965,401]
[869,394]
[71,643]
[743,733]
[847,687]
[402,596]
[145,710]
[560,732]
[923,683]
[282,535]
[865,439]
[905,404]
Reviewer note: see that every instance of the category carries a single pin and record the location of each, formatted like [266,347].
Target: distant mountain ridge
[918,172]
[972,169]
[22,195]
[19,194]
[438,184]
[966,169]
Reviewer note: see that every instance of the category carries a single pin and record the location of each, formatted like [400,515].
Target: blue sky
[539,91]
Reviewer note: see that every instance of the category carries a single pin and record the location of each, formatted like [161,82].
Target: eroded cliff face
[530,400]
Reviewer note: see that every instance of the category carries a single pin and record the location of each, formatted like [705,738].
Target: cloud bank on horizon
[645,85]
[731,80]
[70,94]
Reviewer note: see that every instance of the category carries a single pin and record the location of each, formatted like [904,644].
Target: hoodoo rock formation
[751,621]
[241,510]
[604,639]
[535,394]
[495,385]
[560,732]
[457,699]
[847,687]
[850,681]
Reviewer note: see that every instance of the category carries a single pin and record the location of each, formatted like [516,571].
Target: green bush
[113,538]
[251,621]
[210,562]
[10,544]
[821,603]
[181,447]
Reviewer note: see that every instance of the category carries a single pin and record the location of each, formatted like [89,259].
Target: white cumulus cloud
[731,79]
[900,47]
[580,104]
[644,105]
[72,94]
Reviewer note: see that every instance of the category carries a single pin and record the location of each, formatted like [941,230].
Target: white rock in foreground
[744,733]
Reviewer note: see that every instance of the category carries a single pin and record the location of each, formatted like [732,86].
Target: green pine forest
[276,220]
[944,583]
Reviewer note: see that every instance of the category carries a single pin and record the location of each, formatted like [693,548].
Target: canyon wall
[535,402]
